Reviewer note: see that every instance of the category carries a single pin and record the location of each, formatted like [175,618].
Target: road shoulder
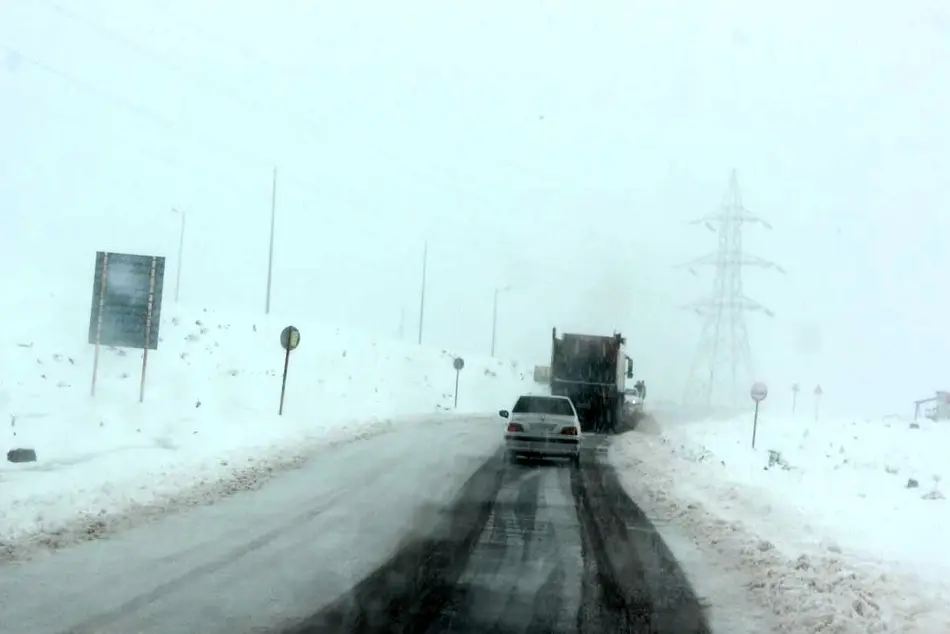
[753,577]
[170,495]
[335,519]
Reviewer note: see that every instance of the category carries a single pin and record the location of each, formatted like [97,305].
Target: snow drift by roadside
[819,544]
[209,420]
[868,482]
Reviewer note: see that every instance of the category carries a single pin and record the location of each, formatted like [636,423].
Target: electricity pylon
[724,342]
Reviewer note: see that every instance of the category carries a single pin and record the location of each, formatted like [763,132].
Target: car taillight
[569,431]
[515,427]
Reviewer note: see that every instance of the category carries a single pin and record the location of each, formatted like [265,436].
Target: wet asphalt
[527,547]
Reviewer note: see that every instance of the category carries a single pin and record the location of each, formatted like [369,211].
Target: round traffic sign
[459,363]
[759,391]
[289,338]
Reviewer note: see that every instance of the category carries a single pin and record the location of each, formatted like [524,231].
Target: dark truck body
[591,370]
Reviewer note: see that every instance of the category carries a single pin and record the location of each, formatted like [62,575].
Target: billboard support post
[126,306]
[148,326]
[101,300]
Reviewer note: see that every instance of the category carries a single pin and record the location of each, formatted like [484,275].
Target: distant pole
[494,322]
[494,317]
[181,250]
[270,253]
[422,295]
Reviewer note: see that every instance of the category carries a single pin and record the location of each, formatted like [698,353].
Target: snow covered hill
[208,424]
[837,525]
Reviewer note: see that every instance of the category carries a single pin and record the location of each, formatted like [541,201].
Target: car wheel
[576,460]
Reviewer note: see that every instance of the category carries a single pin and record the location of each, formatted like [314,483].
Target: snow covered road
[258,557]
[531,548]
[527,566]
[427,529]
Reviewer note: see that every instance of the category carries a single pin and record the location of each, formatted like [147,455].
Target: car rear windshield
[543,405]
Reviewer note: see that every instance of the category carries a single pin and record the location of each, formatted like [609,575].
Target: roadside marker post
[458,364]
[758,393]
[289,340]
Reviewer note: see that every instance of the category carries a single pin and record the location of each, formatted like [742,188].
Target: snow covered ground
[814,530]
[208,424]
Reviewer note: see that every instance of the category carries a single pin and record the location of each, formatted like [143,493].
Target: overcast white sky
[557,147]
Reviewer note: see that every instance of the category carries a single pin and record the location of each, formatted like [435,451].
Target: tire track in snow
[512,545]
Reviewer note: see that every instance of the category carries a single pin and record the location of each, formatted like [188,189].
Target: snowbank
[817,522]
[209,422]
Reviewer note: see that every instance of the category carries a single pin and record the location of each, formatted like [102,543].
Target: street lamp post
[494,316]
[270,250]
[422,293]
[181,250]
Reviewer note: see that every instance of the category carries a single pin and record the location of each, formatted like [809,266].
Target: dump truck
[591,370]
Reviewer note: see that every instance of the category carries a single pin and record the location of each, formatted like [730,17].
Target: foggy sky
[556,147]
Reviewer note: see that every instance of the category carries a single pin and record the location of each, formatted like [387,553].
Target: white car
[543,426]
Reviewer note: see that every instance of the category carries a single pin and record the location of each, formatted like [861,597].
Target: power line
[155,117]
[140,110]
[472,190]
[724,342]
[186,133]
[264,61]
[202,79]
[205,179]
[163,122]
